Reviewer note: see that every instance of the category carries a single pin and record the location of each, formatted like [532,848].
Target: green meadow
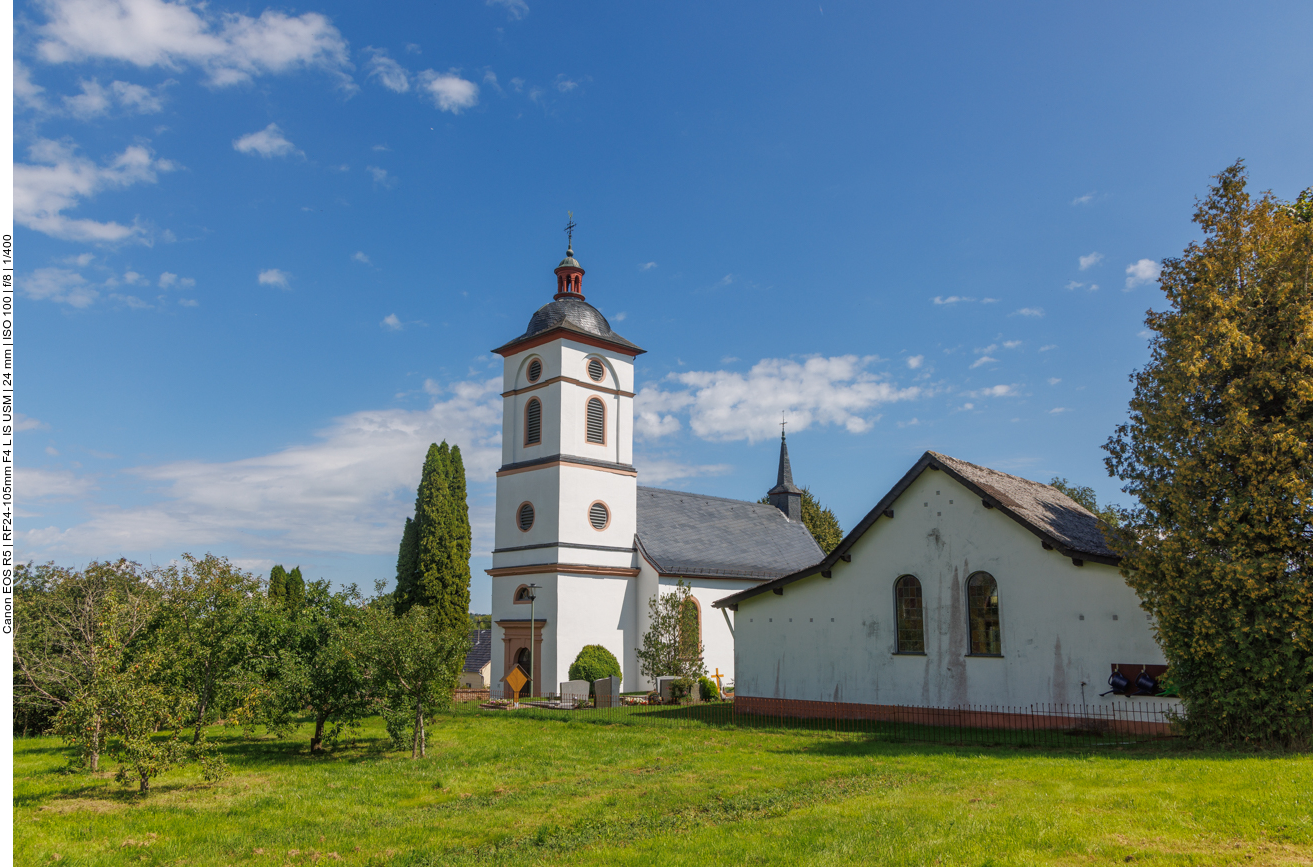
[511,788]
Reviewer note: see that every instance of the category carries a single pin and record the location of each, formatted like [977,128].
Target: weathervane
[569,230]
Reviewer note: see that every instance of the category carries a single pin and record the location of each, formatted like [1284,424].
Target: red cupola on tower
[569,274]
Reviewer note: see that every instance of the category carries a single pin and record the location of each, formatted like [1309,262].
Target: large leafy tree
[205,633]
[1085,495]
[325,668]
[73,630]
[433,562]
[1218,452]
[413,657]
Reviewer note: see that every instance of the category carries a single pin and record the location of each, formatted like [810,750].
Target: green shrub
[594,662]
[708,688]
[681,690]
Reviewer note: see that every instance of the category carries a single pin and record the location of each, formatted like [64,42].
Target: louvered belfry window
[533,422]
[598,516]
[535,370]
[524,517]
[596,421]
[596,371]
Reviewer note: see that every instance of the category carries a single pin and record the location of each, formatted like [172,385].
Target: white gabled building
[963,586]
[571,518]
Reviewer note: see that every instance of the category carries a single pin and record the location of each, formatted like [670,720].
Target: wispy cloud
[1083,200]
[275,277]
[61,286]
[381,177]
[994,391]
[1059,409]
[515,9]
[1028,311]
[359,256]
[647,266]
[951,299]
[387,71]
[1088,262]
[230,47]
[1141,272]
[268,143]
[725,405]
[96,100]
[57,179]
[1048,346]
[658,471]
[915,361]
[391,322]
[984,359]
[1053,380]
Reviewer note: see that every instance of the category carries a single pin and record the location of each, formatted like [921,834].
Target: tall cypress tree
[407,558]
[455,603]
[433,541]
[278,584]
[295,594]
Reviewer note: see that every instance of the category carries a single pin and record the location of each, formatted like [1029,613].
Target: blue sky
[264,251]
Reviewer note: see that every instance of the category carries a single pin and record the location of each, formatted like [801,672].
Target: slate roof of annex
[1040,505]
[480,650]
[713,537]
[570,314]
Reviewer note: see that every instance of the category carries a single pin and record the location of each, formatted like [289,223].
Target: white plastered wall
[834,639]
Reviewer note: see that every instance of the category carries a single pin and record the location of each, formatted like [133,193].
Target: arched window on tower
[596,421]
[533,422]
[982,608]
[909,614]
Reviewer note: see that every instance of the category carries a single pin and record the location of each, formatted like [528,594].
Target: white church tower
[566,491]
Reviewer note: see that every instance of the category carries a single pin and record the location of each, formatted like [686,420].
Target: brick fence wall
[479,695]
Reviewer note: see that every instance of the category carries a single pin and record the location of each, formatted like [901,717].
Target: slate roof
[570,314]
[1059,521]
[696,535]
[480,650]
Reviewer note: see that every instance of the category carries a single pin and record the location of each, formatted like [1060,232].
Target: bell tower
[566,490]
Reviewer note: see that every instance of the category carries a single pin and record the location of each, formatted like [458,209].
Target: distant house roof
[480,650]
[1059,521]
[712,537]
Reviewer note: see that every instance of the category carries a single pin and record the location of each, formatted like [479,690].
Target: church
[962,586]
[580,547]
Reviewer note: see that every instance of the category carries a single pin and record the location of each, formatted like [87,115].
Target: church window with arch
[596,421]
[909,614]
[535,370]
[533,422]
[524,517]
[982,612]
[596,370]
[522,596]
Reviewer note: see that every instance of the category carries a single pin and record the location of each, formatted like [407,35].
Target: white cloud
[988,300]
[565,85]
[647,266]
[951,299]
[26,91]
[1053,380]
[1059,409]
[448,90]
[620,317]
[1028,311]
[167,279]
[656,471]
[358,476]
[359,256]
[1011,344]
[268,142]
[994,391]
[229,47]
[274,277]
[96,100]
[189,302]
[915,361]
[392,323]
[516,9]
[1073,285]
[381,177]
[1141,272]
[387,71]
[986,349]
[725,406]
[1088,262]
[26,422]
[984,359]
[1083,200]
[1048,346]
[131,301]
[36,484]
[60,285]
[132,278]
[57,178]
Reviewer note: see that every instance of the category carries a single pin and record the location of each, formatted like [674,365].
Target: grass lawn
[515,789]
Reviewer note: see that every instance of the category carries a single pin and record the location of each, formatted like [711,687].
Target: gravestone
[607,691]
[574,691]
[665,686]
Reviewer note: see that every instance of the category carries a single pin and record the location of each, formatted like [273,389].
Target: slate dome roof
[571,314]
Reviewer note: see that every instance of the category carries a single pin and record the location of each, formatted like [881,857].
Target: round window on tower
[596,371]
[524,516]
[599,515]
[535,370]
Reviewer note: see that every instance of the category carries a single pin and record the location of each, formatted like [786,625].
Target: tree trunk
[422,738]
[95,745]
[145,784]
[418,734]
[200,721]
[317,742]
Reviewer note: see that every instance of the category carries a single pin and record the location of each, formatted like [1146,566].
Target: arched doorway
[523,661]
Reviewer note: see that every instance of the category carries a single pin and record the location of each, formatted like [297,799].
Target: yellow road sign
[516,680]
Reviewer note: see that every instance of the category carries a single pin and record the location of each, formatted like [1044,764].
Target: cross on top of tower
[569,233]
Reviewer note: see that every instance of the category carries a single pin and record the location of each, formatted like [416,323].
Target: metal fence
[1040,725]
